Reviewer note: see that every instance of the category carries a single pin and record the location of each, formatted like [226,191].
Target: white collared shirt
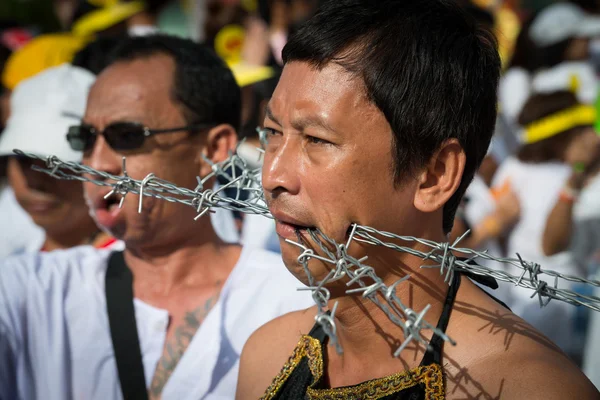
[55,337]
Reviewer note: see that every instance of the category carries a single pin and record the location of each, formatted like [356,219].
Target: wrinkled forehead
[137,90]
[331,94]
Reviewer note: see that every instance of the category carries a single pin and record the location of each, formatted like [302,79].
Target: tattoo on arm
[175,348]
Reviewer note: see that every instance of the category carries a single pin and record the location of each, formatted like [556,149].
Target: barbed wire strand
[335,255]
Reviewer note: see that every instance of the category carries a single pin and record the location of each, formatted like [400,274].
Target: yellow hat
[38,54]
[109,13]
[229,42]
[246,74]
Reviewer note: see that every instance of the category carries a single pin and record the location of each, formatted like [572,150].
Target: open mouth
[109,204]
[107,211]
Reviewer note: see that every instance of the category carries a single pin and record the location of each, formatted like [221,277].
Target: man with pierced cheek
[383,113]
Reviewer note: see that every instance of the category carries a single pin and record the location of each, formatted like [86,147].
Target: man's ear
[441,177]
[221,141]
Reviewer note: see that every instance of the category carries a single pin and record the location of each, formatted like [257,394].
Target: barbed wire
[361,278]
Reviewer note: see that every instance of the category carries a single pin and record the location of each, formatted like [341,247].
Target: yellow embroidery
[431,376]
[307,347]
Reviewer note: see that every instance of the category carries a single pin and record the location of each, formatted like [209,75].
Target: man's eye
[316,140]
[270,132]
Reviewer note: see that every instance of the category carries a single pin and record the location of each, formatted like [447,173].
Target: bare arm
[559,226]
[505,215]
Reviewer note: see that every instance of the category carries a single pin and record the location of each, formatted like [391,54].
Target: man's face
[141,91]
[328,162]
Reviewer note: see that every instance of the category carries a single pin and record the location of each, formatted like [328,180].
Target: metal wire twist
[361,278]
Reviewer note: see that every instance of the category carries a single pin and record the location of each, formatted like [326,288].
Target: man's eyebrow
[301,123]
[311,121]
[269,114]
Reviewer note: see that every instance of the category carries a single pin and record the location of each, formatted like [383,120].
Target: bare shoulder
[544,374]
[500,356]
[268,349]
[535,373]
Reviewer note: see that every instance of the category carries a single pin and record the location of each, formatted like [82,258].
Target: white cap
[561,21]
[576,76]
[42,109]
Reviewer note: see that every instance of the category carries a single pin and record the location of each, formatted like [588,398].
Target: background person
[186,289]
[42,109]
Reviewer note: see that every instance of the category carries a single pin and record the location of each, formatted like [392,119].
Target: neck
[201,260]
[83,233]
[363,328]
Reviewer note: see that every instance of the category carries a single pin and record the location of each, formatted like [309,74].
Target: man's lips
[287,226]
[107,211]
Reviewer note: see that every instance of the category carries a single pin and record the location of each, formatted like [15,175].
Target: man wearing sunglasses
[168,317]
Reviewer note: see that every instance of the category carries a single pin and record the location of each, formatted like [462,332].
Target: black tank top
[302,376]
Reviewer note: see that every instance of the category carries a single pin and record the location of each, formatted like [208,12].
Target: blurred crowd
[537,193]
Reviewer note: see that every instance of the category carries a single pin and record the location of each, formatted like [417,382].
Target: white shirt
[55,337]
[537,187]
[585,240]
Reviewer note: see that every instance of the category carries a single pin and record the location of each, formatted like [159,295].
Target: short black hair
[204,86]
[95,55]
[426,64]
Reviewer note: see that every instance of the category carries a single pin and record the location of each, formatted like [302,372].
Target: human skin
[178,264]
[57,206]
[329,164]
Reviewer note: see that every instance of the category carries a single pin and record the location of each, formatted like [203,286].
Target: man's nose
[280,169]
[103,158]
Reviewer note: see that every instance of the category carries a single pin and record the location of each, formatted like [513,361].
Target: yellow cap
[229,42]
[38,54]
[246,74]
[111,13]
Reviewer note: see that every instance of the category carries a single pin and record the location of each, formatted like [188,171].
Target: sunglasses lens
[124,136]
[81,138]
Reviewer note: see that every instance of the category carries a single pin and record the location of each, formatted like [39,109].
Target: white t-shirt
[55,338]
[585,245]
[537,187]
[585,240]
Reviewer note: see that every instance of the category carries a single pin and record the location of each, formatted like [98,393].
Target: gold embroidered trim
[307,347]
[430,375]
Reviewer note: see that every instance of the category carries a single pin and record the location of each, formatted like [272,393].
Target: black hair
[530,56]
[95,55]
[483,17]
[430,69]
[204,86]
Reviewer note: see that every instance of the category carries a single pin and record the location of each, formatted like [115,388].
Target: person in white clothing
[42,109]
[558,131]
[555,51]
[190,299]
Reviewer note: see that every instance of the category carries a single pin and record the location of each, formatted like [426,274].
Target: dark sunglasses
[119,135]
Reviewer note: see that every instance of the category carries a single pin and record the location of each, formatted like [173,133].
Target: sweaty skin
[178,264]
[329,164]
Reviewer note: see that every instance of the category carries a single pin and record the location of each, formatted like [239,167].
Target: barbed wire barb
[361,278]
